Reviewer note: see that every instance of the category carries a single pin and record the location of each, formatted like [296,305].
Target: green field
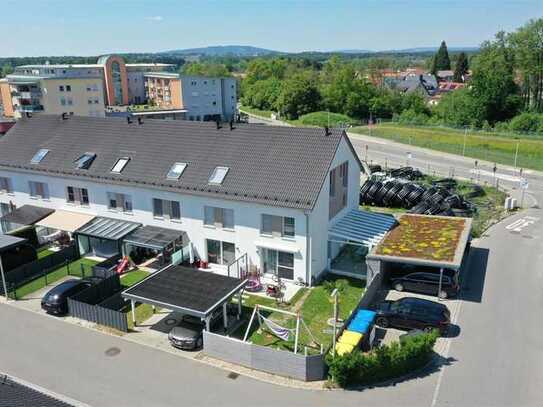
[487,146]
[256,112]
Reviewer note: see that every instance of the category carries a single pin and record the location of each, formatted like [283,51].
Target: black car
[56,300]
[428,283]
[413,313]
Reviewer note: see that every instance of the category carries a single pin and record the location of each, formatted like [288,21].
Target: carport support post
[297,333]
[224,316]
[4,279]
[239,305]
[440,282]
[208,323]
[132,305]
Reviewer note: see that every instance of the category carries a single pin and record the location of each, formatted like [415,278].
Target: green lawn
[256,112]
[315,306]
[44,253]
[55,275]
[133,277]
[479,145]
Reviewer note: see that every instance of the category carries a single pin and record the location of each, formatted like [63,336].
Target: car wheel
[398,287]
[382,322]
[199,343]
[443,294]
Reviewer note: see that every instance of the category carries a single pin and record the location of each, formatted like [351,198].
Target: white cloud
[154,18]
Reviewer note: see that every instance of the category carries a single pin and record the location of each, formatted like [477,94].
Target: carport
[8,242]
[436,242]
[161,240]
[187,291]
[352,237]
[103,236]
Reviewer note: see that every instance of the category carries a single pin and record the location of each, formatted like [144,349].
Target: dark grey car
[188,334]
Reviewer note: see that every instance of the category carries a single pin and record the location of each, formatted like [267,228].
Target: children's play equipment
[123,265]
[253,284]
[360,328]
[276,329]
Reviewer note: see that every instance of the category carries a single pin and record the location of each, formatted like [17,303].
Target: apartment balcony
[30,95]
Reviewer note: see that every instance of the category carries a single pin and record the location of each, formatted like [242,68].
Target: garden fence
[100,304]
[39,268]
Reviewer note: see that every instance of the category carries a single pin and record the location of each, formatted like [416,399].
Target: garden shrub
[382,363]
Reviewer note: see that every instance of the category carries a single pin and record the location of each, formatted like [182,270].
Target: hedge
[383,363]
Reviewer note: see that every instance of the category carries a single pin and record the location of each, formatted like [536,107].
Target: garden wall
[283,363]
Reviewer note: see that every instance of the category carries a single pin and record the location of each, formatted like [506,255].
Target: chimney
[140,120]
[231,123]
[218,123]
[28,115]
[326,131]
[64,116]
[128,120]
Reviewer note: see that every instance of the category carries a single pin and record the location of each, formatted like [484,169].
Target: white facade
[311,227]
[205,96]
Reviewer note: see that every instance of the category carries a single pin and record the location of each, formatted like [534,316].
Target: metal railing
[239,267]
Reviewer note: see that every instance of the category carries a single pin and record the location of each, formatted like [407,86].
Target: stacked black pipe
[399,192]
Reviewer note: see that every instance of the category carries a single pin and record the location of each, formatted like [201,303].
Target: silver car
[188,334]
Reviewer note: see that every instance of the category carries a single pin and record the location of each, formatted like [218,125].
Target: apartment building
[268,193]
[203,98]
[77,89]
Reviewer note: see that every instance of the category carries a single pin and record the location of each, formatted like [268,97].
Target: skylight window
[218,175]
[176,171]
[120,164]
[85,161]
[39,156]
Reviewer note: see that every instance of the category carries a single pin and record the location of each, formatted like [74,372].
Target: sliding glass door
[278,263]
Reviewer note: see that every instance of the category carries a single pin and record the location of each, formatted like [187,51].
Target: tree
[527,46]
[492,83]
[299,95]
[441,61]
[461,68]
[206,69]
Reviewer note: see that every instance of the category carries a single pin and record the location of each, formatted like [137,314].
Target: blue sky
[91,27]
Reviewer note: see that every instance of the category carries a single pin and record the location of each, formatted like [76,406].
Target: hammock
[278,330]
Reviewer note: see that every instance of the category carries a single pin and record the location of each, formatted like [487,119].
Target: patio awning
[27,215]
[107,228]
[9,242]
[185,290]
[65,220]
[363,227]
[154,237]
[280,245]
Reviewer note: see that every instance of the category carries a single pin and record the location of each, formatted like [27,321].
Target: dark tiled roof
[272,165]
[13,394]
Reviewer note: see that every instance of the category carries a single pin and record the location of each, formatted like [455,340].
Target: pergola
[156,238]
[187,291]
[26,215]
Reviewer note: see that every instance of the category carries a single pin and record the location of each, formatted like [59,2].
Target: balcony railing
[29,108]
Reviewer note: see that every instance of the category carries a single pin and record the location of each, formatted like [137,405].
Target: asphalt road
[496,359]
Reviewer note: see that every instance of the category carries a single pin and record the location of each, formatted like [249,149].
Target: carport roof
[107,228]
[27,215]
[185,290]
[154,237]
[8,242]
[363,227]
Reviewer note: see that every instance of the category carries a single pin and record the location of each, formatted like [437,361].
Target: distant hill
[429,49]
[224,50]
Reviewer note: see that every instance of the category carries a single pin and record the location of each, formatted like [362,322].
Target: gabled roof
[271,165]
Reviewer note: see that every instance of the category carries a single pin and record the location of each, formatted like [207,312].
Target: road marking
[505,177]
[521,223]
